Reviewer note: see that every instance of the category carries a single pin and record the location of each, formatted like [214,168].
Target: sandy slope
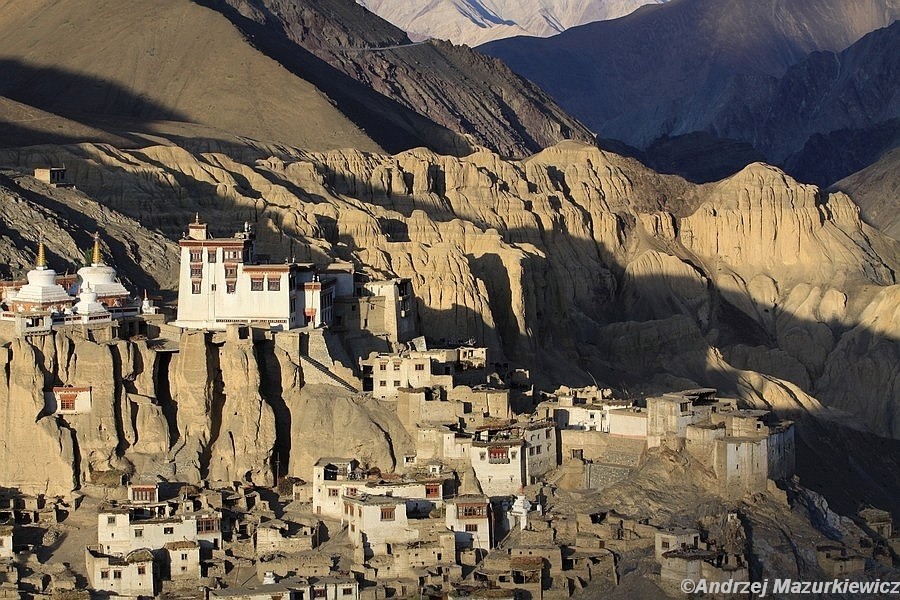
[165,60]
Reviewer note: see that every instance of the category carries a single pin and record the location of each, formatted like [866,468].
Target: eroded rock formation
[575,263]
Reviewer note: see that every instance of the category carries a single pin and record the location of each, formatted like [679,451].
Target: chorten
[89,308]
[41,293]
[101,278]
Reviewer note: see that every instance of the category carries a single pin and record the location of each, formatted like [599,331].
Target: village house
[334,478]
[745,448]
[53,176]
[276,536]
[469,517]
[123,529]
[442,442]
[127,574]
[507,456]
[838,561]
[181,561]
[376,523]
[385,309]
[384,374]
[294,588]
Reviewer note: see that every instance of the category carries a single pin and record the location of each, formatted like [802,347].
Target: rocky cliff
[574,262]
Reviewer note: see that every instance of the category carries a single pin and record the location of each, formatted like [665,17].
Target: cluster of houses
[462,516]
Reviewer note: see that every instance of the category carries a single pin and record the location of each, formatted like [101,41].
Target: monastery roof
[180,545]
[748,413]
[376,500]
[690,554]
[530,563]
[466,498]
[330,460]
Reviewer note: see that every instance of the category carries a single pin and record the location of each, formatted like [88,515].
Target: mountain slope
[455,87]
[668,69]
[152,66]
[474,22]
[876,189]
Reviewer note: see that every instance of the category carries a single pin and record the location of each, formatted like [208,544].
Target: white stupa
[102,279]
[41,293]
[89,308]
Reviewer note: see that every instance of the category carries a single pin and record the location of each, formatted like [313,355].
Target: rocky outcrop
[37,452]
[244,427]
[575,263]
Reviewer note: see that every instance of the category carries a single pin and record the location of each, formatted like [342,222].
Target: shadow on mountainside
[393,126]
[587,316]
[72,107]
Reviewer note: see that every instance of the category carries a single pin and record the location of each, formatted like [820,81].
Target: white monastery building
[222,282]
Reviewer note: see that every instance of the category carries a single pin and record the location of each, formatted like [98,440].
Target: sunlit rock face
[575,263]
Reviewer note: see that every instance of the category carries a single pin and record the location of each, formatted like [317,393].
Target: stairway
[333,379]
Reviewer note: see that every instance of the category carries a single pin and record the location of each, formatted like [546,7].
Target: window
[382,367]
[110,520]
[432,490]
[471,510]
[230,287]
[67,402]
[396,366]
[332,492]
[420,367]
[348,591]
[143,494]
[207,525]
[117,574]
[537,450]
[142,570]
[195,287]
[319,593]
[230,272]
[138,533]
[274,284]
[351,492]
[104,574]
[168,530]
[211,255]
[256,285]
[498,454]
[196,256]
[387,513]
[396,383]
[184,556]
[547,433]
[196,272]
[471,527]
[382,383]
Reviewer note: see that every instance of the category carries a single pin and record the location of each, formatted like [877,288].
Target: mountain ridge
[474,22]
